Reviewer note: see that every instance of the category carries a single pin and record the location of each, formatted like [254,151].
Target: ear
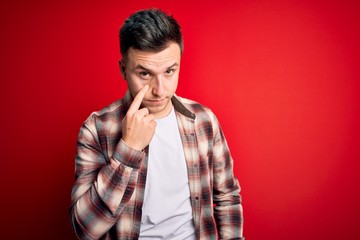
[122,68]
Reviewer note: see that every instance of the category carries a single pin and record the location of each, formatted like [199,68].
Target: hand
[138,126]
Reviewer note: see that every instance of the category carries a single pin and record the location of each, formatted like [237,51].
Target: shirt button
[196,198]
[195,166]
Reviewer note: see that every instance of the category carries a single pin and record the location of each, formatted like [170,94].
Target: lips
[156,101]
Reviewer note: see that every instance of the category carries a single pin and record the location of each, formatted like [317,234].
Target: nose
[157,86]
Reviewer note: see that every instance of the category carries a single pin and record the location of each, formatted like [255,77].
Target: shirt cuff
[128,156]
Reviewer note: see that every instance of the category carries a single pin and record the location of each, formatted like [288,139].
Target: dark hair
[149,30]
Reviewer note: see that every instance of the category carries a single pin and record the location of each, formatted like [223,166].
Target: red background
[282,77]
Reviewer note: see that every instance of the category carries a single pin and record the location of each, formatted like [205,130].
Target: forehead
[162,59]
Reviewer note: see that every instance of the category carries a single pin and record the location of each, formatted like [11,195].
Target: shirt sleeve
[103,186]
[227,199]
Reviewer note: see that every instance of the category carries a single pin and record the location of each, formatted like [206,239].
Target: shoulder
[201,112]
[104,126]
[113,110]
[106,120]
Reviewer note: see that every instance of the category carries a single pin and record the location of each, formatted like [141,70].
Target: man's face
[159,70]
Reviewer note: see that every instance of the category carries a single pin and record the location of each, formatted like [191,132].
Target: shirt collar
[180,107]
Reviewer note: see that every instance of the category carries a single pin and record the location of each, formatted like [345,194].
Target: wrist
[133,145]
[128,156]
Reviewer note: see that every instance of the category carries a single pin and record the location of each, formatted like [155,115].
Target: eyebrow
[139,66]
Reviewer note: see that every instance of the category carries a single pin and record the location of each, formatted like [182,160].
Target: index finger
[135,105]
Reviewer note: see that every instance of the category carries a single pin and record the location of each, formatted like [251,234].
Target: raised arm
[104,186]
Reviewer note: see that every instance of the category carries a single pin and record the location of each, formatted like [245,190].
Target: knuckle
[138,117]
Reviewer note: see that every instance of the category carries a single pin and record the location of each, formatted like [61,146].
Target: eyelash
[143,74]
[147,75]
[170,71]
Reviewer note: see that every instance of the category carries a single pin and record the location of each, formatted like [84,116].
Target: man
[154,165]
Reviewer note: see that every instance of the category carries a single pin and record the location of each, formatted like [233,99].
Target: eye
[169,71]
[145,75]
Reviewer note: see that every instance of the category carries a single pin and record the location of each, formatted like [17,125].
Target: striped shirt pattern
[110,177]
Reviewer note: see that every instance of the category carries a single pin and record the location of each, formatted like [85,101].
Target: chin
[156,110]
[159,112]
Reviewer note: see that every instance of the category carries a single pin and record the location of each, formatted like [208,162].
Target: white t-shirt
[166,212]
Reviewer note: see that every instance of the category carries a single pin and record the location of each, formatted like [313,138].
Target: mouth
[156,101]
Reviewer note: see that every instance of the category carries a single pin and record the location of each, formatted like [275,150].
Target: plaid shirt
[108,192]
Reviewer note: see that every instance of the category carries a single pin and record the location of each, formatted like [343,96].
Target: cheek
[173,84]
[134,85]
